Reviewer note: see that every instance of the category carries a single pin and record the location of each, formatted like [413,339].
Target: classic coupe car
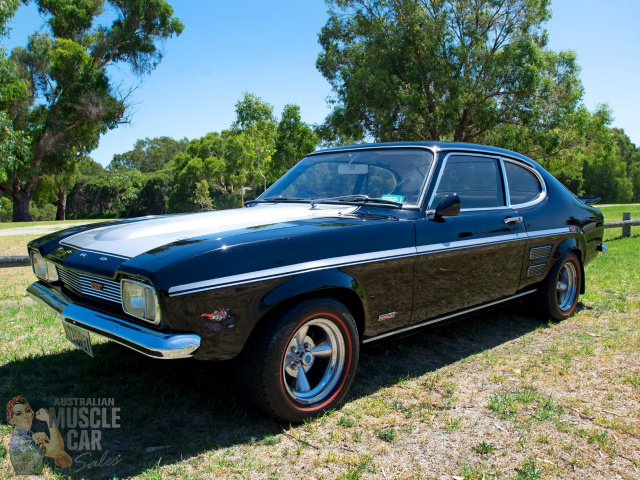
[351,246]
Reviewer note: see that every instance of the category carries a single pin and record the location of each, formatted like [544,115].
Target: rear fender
[571,244]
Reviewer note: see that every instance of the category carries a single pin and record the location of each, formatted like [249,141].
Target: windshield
[390,174]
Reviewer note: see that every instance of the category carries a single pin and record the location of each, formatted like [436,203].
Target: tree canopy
[444,69]
[56,92]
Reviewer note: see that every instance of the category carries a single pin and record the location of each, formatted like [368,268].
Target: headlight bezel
[149,300]
[40,265]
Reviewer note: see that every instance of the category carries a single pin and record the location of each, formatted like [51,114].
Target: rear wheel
[302,362]
[559,294]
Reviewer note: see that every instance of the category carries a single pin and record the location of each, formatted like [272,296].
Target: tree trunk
[61,213]
[21,206]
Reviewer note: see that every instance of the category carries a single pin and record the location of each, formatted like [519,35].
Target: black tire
[558,296]
[284,377]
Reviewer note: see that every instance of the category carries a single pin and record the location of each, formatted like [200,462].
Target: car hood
[132,239]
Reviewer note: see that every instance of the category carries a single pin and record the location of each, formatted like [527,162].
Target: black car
[353,245]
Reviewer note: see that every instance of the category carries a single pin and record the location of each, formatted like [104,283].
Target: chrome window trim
[427,178]
[543,187]
[350,260]
[474,153]
[486,153]
[505,181]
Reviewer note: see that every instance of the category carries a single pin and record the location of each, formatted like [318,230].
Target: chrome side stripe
[549,233]
[272,273]
[446,317]
[477,242]
[349,260]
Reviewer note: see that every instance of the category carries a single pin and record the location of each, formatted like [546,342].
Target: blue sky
[270,49]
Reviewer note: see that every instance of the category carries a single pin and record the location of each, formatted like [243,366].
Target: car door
[476,256]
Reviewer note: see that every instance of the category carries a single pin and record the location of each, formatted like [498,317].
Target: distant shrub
[42,213]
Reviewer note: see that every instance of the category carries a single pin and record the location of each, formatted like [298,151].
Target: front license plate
[79,337]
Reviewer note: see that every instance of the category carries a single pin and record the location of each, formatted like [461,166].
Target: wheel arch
[325,284]
[572,245]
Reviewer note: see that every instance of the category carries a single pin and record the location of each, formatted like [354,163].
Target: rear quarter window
[524,186]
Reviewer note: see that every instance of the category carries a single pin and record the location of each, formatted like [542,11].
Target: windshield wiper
[276,198]
[356,199]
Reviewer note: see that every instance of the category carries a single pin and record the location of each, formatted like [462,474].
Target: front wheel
[303,361]
[559,294]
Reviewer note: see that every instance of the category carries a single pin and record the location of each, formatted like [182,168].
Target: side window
[523,185]
[476,180]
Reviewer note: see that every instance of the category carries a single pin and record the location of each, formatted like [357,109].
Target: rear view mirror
[353,169]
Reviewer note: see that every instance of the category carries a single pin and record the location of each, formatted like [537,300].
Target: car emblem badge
[83,255]
[97,286]
[386,316]
[103,259]
[218,319]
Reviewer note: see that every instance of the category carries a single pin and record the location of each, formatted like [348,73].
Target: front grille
[81,283]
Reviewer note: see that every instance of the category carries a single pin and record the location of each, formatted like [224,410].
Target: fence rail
[623,223]
[14,261]
[23,260]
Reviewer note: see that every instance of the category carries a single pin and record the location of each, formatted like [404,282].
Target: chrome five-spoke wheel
[558,294]
[314,361]
[303,359]
[567,286]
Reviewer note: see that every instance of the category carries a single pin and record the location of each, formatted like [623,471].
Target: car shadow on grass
[170,411]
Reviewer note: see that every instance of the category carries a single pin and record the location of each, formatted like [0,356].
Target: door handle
[512,220]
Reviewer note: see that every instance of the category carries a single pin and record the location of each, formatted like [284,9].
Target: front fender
[242,307]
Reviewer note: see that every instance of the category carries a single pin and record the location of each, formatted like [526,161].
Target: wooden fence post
[626,230]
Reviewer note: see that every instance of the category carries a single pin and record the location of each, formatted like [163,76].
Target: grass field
[503,395]
[613,213]
[4,225]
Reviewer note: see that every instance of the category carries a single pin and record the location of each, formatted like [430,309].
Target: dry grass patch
[14,244]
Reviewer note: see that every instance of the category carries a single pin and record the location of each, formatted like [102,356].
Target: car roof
[436,147]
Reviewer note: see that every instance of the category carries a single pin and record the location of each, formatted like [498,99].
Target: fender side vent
[536,270]
[540,252]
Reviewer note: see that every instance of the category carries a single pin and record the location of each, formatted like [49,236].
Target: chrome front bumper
[140,339]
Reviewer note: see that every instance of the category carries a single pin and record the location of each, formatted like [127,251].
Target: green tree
[294,140]
[255,120]
[125,185]
[150,154]
[202,197]
[630,155]
[69,100]
[604,171]
[443,69]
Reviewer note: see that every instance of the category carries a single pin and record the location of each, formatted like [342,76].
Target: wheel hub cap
[314,361]
[567,287]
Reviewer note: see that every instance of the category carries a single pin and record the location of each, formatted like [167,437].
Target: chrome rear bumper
[142,340]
